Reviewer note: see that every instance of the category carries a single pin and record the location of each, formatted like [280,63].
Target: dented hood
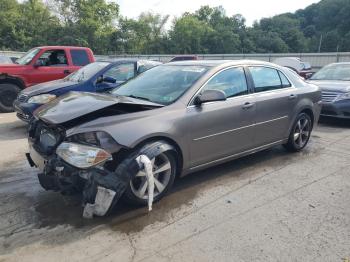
[75,105]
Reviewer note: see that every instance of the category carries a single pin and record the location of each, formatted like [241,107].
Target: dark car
[184,58]
[178,117]
[334,82]
[99,76]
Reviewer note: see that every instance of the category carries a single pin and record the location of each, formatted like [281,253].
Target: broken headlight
[82,156]
[99,139]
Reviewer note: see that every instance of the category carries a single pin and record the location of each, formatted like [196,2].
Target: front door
[224,128]
[53,65]
[119,74]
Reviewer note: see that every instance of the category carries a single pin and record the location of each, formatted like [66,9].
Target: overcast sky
[251,9]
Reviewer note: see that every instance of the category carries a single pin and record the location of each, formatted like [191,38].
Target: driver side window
[231,81]
[53,58]
[122,72]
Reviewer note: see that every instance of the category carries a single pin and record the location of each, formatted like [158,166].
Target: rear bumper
[338,109]
[25,110]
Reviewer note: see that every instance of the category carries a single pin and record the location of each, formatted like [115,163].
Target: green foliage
[98,25]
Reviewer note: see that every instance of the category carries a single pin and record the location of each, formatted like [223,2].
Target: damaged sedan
[170,121]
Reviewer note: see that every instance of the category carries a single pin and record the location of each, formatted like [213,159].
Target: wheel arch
[310,113]
[171,142]
[8,79]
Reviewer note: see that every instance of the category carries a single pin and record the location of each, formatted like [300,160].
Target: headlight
[41,99]
[99,139]
[344,96]
[82,156]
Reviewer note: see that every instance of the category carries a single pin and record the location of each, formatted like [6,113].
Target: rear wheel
[8,94]
[164,170]
[300,134]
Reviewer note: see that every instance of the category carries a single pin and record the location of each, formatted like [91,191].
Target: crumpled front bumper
[95,183]
[59,176]
[25,110]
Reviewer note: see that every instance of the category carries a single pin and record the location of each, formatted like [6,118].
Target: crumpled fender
[118,180]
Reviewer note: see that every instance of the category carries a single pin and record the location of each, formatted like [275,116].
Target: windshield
[27,57]
[339,72]
[86,72]
[162,84]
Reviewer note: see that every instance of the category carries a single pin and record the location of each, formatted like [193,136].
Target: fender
[6,78]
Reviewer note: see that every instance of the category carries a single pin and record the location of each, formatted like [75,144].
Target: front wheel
[164,170]
[8,94]
[300,133]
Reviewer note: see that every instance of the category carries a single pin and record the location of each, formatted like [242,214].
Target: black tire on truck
[8,94]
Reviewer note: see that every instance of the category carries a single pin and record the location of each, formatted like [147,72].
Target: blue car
[100,76]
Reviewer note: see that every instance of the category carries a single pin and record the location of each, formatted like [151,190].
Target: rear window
[79,57]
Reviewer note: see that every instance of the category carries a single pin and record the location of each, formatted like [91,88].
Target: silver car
[184,116]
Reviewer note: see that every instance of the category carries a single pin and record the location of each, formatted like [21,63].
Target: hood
[332,85]
[10,68]
[48,87]
[79,107]
[5,66]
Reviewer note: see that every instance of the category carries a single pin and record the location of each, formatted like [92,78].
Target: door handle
[66,72]
[292,97]
[247,105]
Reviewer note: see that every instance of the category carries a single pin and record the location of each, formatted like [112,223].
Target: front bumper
[25,110]
[57,175]
[338,109]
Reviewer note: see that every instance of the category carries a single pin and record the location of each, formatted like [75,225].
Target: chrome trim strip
[234,155]
[239,128]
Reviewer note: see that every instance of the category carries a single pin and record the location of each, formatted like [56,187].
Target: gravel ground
[271,206]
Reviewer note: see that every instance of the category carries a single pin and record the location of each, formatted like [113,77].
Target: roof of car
[59,46]
[118,60]
[341,63]
[220,62]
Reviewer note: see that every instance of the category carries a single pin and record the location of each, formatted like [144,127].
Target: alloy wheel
[302,132]
[162,171]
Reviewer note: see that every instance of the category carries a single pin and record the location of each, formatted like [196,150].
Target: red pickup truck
[40,64]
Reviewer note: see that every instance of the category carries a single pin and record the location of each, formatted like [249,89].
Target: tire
[300,133]
[8,94]
[166,177]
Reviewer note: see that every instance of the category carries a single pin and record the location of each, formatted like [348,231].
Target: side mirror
[105,79]
[38,63]
[209,96]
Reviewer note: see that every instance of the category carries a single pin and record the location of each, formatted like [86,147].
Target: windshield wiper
[139,97]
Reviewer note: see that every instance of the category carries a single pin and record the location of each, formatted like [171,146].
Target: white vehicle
[295,63]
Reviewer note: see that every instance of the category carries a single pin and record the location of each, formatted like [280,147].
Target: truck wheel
[8,94]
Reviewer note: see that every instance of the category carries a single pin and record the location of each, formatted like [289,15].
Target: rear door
[275,101]
[224,128]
